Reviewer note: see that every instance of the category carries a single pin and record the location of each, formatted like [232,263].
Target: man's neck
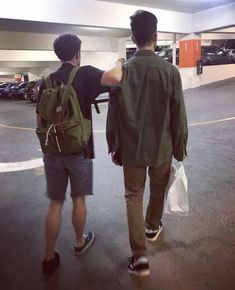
[147,47]
[73,62]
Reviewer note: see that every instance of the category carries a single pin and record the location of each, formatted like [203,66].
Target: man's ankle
[80,242]
[49,256]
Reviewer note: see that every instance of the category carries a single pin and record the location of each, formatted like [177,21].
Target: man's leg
[134,183]
[159,177]
[79,219]
[52,227]
[81,179]
[57,180]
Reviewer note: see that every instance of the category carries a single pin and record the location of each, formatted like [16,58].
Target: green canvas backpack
[62,129]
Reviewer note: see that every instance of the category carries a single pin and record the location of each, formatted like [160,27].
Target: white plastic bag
[176,197]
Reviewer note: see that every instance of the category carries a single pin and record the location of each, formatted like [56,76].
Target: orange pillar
[189,52]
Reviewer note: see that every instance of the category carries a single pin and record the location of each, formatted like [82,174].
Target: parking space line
[103,131]
[36,163]
[32,129]
[22,165]
[17,128]
[212,122]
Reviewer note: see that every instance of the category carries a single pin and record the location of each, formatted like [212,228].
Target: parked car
[6,90]
[225,44]
[167,54]
[2,89]
[213,54]
[210,55]
[29,90]
[35,93]
[18,91]
[22,91]
[231,53]
[130,52]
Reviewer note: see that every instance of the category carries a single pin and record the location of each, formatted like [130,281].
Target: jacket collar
[144,53]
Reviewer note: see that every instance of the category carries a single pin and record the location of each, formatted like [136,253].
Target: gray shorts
[75,168]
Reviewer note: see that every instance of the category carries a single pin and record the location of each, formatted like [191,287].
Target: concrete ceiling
[188,6]
[55,28]
[230,30]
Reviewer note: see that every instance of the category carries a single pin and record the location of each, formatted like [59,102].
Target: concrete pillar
[174,50]
[122,47]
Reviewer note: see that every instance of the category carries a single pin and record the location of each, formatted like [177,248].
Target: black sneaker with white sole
[49,267]
[89,240]
[139,266]
[152,235]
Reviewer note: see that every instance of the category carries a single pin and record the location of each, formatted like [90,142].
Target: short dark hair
[66,46]
[143,26]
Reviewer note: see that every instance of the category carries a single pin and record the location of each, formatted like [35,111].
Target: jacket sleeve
[178,117]
[112,128]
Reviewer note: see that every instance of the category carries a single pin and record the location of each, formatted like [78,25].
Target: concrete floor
[193,253]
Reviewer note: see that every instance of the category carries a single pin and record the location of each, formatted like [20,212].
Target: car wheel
[208,62]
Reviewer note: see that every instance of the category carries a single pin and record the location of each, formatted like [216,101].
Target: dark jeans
[135,178]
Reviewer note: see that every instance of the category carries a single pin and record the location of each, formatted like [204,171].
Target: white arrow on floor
[22,165]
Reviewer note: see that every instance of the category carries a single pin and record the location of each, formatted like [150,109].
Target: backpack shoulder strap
[72,74]
[48,82]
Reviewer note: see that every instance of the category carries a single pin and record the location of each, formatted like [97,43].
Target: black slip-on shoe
[49,267]
[152,235]
[139,266]
[89,240]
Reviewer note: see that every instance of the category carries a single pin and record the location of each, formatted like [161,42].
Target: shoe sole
[144,273]
[155,238]
[87,246]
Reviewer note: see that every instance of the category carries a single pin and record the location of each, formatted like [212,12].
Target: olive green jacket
[146,119]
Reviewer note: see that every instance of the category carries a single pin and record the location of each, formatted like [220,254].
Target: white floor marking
[32,129]
[17,128]
[103,131]
[212,122]
[31,164]
[22,165]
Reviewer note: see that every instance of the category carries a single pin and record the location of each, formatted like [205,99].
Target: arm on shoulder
[113,76]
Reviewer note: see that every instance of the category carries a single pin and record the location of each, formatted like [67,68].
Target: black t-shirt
[87,84]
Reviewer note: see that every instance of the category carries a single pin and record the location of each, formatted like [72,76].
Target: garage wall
[34,50]
[102,60]
[211,74]
[41,41]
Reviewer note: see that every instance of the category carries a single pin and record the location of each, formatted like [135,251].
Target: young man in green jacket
[146,127]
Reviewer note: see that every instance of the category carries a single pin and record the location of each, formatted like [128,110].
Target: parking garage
[194,252]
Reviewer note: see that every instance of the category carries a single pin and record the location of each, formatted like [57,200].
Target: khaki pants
[135,178]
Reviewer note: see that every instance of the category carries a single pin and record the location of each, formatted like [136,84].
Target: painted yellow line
[103,131]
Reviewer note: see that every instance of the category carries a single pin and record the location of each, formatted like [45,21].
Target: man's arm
[179,125]
[113,76]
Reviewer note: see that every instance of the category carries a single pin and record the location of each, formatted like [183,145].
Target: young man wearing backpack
[64,130]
